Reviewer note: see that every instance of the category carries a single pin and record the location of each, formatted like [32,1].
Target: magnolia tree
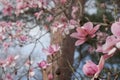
[62,19]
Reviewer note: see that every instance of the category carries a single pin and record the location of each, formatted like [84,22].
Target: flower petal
[115,28]
[79,42]
[74,35]
[81,32]
[95,29]
[100,66]
[88,26]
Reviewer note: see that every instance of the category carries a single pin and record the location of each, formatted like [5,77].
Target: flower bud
[90,68]
[43,64]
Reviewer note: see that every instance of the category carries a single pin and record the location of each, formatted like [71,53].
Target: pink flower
[38,14]
[100,65]
[90,68]
[44,3]
[56,26]
[7,10]
[43,64]
[20,24]
[2,62]
[115,29]
[10,61]
[52,49]
[110,43]
[74,10]
[49,18]
[6,45]
[84,33]
[102,61]
[23,38]
[63,1]
[8,77]
[73,22]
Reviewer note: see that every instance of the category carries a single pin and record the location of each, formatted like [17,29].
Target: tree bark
[61,68]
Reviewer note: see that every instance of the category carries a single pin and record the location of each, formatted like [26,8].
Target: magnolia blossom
[56,26]
[44,3]
[115,29]
[20,24]
[24,5]
[7,10]
[21,6]
[23,38]
[38,14]
[102,61]
[52,49]
[6,45]
[110,43]
[8,77]
[2,62]
[110,47]
[90,68]
[84,33]
[49,18]
[74,10]
[43,64]
[10,61]
[113,40]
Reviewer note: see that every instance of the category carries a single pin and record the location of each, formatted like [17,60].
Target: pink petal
[93,35]
[100,65]
[55,47]
[75,35]
[99,49]
[112,51]
[90,68]
[95,29]
[81,31]
[79,42]
[88,26]
[110,43]
[115,28]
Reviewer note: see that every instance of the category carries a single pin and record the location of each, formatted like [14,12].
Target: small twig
[72,69]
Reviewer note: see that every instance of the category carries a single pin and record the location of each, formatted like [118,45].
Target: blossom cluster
[111,45]
[10,31]
[13,33]
[22,6]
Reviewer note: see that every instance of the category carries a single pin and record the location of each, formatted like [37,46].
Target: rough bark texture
[61,68]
